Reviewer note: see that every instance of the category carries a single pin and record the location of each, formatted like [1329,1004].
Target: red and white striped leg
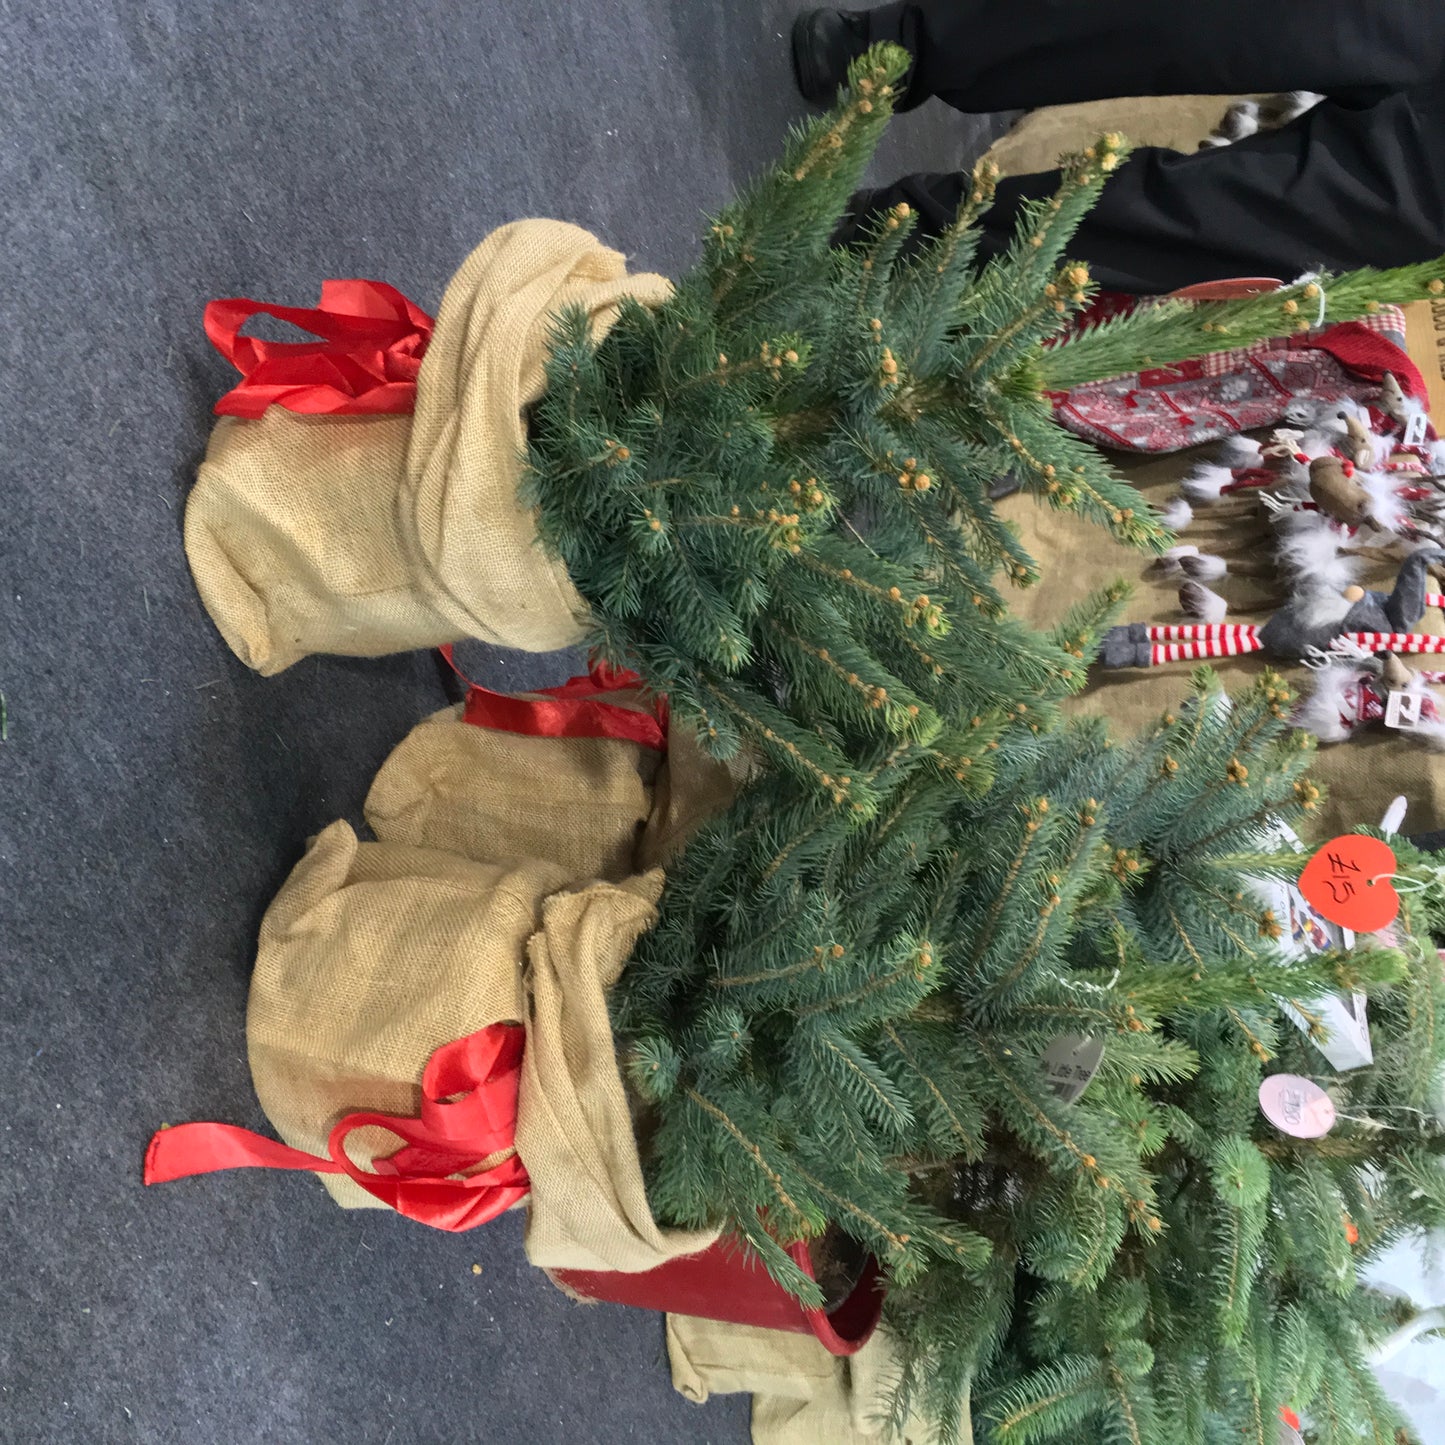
[1396,641]
[1192,641]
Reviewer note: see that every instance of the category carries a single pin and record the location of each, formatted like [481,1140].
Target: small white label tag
[1345,1022]
[1070,1063]
[1394,818]
[1344,1019]
[1296,1106]
[1403,710]
[1415,430]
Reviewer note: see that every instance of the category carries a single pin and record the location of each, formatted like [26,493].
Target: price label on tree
[1348,880]
[1296,1106]
[1070,1063]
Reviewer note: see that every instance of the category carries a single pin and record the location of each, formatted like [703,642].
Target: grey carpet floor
[153,793]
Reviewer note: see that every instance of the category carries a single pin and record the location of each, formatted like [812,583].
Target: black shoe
[825,43]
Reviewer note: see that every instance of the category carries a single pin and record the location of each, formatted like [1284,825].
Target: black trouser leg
[1339,188]
[987,55]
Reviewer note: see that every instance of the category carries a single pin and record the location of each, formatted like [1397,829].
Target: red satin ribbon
[365,365]
[468,1112]
[572,710]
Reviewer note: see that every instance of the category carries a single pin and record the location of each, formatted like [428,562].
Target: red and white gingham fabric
[1215,396]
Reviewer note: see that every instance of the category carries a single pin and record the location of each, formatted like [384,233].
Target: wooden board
[1425,341]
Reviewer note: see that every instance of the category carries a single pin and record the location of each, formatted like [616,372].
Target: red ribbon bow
[468,1115]
[573,710]
[365,365]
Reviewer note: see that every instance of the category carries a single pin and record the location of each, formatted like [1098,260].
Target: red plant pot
[723,1283]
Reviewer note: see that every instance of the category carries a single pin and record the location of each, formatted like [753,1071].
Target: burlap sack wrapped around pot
[493,796]
[802,1395]
[374,954]
[370,957]
[368,535]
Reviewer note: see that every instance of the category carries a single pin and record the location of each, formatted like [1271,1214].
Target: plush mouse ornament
[1395,404]
[1337,492]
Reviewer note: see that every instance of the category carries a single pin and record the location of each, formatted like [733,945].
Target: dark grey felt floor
[153,793]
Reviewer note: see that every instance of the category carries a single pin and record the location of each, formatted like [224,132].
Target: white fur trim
[1176,514]
[1204,567]
[1206,483]
[1387,511]
[1320,712]
[1239,451]
[1200,603]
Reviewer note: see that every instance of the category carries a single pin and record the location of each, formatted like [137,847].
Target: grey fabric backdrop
[153,793]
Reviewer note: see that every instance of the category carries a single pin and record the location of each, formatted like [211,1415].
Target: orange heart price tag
[1348,881]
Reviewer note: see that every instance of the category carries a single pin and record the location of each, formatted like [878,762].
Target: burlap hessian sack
[588,1208]
[802,1395]
[488,795]
[598,807]
[371,956]
[374,954]
[368,535]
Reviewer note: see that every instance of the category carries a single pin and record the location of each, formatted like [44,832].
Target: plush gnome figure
[1343,483]
[1306,627]
[1351,693]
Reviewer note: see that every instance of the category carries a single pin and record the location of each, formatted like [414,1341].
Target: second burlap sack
[364,535]
[374,954]
[802,1395]
[598,807]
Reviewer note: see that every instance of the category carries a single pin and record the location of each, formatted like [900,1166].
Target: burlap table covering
[1077,557]
[374,954]
[1175,122]
[368,535]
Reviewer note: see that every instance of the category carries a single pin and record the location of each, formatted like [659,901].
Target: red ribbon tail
[573,710]
[555,718]
[468,1114]
[189,1149]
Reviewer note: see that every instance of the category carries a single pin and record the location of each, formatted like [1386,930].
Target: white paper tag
[1346,1024]
[1070,1063]
[1415,430]
[1402,710]
[1297,1107]
[1394,818]
[1288,1435]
